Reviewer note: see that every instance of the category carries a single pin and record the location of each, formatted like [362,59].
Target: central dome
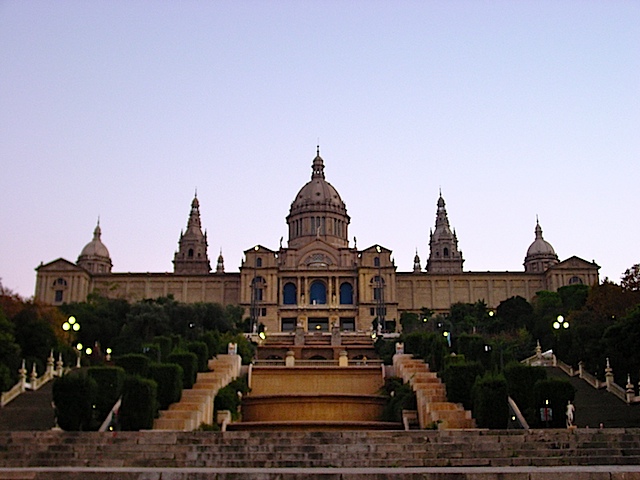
[317,191]
[318,211]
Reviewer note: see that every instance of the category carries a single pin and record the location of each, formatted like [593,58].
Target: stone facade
[319,279]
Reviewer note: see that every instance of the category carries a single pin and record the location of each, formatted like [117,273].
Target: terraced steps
[355,449]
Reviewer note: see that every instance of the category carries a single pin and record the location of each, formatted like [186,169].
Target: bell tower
[191,257]
[444,256]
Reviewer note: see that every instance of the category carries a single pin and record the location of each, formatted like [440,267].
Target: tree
[512,314]
[631,279]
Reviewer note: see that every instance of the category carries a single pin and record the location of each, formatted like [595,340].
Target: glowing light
[79,346]
[88,351]
[109,351]
[76,327]
[66,326]
[72,320]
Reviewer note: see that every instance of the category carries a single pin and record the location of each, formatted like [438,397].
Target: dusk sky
[122,109]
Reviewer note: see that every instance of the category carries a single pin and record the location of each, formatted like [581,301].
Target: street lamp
[560,323]
[79,347]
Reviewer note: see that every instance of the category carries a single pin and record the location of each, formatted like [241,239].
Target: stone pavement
[610,472]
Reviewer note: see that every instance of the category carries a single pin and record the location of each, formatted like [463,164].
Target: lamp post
[253,311]
[72,325]
[380,306]
[559,324]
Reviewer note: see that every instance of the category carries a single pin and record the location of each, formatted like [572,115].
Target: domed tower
[540,254]
[94,257]
[191,258]
[318,212]
[444,256]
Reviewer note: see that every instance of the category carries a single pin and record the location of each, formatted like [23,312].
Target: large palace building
[319,280]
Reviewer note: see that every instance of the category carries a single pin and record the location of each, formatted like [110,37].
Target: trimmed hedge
[74,395]
[166,346]
[139,403]
[429,346]
[459,379]
[490,405]
[110,382]
[400,396]
[189,363]
[134,364]
[168,376]
[227,398]
[520,383]
[202,351]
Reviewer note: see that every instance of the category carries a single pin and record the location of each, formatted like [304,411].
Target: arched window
[318,293]
[190,253]
[61,282]
[446,252]
[376,262]
[289,294]
[258,262]
[575,281]
[346,294]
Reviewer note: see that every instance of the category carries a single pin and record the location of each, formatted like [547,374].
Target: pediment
[575,262]
[59,265]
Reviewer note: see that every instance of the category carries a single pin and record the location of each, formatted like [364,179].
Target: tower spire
[191,256]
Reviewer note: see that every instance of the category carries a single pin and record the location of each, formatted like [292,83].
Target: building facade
[319,279]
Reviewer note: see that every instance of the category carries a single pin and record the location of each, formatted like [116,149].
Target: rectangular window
[348,324]
[288,324]
[372,312]
[264,312]
[58,296]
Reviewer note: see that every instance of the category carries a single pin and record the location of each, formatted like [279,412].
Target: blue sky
[121,109]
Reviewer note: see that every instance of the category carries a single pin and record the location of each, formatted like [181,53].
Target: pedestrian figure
[570,413]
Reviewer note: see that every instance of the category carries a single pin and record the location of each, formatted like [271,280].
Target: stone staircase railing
[196,405]
[548,359]
[35,382]
[433,408]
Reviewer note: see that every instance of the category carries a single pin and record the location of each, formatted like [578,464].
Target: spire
[317,168]
[220,265]
[444,256]
[416,263]
[192,252]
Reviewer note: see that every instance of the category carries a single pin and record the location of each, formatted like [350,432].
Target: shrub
[74,395]
[168,376]
[459,379]
[109,381]
[227,398]
[490,405]
[428,346]
[400,396]
[152,352]
[165,344]
[189,363]
[520,382]
[134,364]
[202,352]
[139,403]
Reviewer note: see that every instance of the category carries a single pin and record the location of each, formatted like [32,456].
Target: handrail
[516,411]
[112,417]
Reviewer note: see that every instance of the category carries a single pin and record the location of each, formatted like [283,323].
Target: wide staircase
[592,454]
[196,404]
[433,409]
